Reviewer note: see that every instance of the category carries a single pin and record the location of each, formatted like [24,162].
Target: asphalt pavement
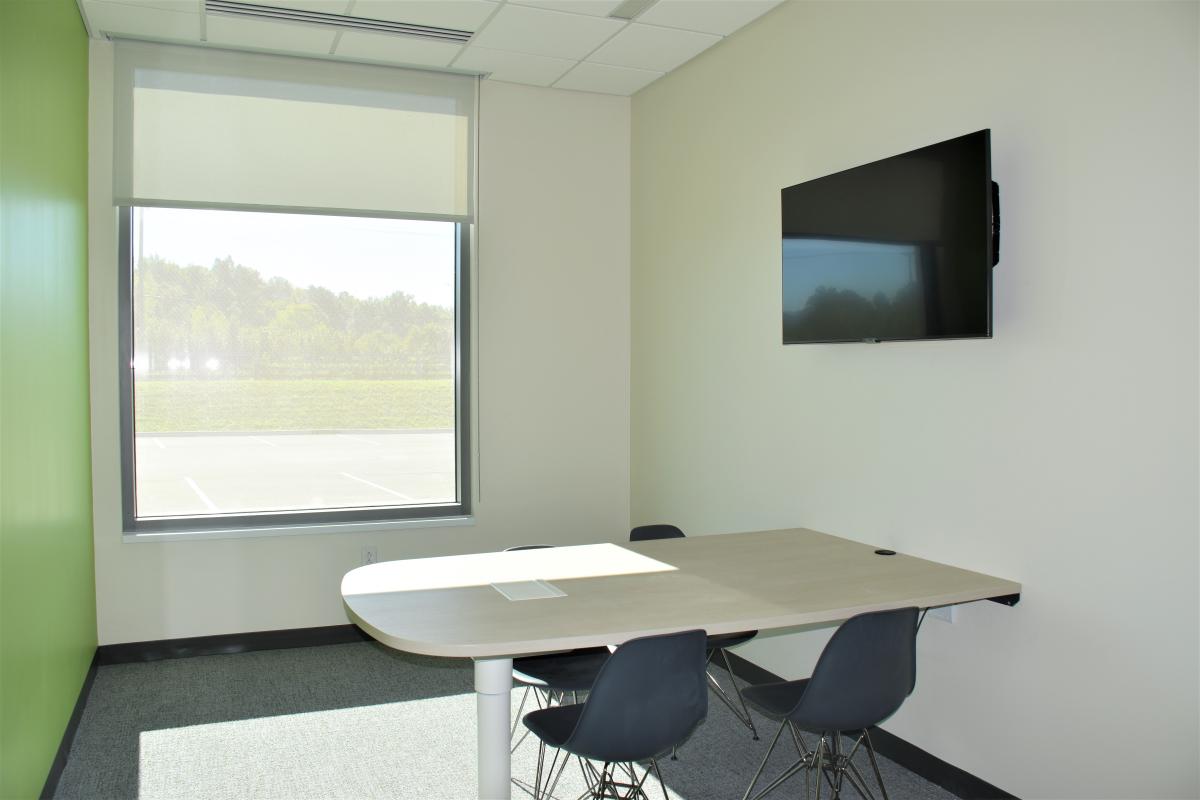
[218,473]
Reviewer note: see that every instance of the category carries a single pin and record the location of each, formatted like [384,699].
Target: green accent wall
[47,579]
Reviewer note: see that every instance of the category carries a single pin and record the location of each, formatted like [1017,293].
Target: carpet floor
[353,721]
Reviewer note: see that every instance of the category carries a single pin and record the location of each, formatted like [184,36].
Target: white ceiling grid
[568,44]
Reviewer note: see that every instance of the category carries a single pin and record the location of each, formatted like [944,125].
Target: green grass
[292,405]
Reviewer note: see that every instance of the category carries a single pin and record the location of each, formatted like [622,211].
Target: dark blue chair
[648,697]
[553,676]
[716,644]
[864,674]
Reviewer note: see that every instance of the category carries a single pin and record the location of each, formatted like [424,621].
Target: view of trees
[833,314]
[226,321]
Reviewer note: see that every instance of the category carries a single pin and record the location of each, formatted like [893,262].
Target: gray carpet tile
[350,721]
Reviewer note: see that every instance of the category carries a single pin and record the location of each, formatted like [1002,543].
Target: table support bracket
[1006,599]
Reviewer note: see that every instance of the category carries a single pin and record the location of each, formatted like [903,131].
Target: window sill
[314,529]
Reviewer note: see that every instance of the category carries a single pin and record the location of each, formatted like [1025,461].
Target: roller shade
[201,127]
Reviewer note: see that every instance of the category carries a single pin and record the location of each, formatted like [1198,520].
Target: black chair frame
[648,696]
[864,674]
[828,759]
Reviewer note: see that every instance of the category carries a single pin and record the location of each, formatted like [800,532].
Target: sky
[863,267]
[362,256]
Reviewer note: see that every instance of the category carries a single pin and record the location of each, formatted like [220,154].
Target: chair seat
[553,725]
[574,671]
[724,640]
[775,699]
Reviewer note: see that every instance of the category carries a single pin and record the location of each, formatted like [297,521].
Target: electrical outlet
[945,613]
[370,554]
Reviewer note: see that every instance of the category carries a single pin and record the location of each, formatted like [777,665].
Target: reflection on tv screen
[841,289]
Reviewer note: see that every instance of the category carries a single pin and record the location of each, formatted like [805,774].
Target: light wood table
[460,606]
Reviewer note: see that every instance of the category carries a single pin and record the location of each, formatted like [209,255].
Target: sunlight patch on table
[482,569]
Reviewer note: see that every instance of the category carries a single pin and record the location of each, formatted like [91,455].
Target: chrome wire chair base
[613,781]
[544,698]
[828,763]
[740,711]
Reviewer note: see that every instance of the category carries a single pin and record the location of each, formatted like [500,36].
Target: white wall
[552,382]
[1062,453]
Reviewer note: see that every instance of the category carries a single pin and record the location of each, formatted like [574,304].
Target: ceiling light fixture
[630,8]
[255,11]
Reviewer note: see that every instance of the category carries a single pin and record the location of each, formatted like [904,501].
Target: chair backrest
[644,533]
[864,673]
[648,697]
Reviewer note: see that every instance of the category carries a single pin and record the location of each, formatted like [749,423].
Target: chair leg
[820,763]
[661,782]
[833,754]
[804,763]
[839,766]
[850,772]
[763,765]
[875,764]
[544,698]
[552,774]
[745,715]
[836,767]
[520,708]
[806,755]
[591,776]
[742,714]
[537,775]
[557,775]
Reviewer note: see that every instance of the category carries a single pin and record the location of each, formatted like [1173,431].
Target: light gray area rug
[350,721]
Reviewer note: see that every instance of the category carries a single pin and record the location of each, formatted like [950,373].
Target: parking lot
[214,473]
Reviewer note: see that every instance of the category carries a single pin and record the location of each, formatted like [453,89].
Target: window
[293,345]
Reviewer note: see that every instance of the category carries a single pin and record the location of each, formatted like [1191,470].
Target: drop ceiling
[567,44]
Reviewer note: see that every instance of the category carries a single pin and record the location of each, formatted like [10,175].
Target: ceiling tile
[647,47]
[514,67]
[545,33]
[461,15]
[721,17]
[396,49]
[258,34]
[143,20]
[323,6]
[589,77]
[593,8]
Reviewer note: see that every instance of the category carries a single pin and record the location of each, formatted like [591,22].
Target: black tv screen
[897,249]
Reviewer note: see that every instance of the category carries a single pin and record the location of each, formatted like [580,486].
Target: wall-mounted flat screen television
[898,249]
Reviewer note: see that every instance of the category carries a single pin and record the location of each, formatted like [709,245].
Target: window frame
[275,521]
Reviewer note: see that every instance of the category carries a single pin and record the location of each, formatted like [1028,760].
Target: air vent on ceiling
[255,11]
[631,8]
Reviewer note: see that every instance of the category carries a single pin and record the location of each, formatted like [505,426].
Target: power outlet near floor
[370,554]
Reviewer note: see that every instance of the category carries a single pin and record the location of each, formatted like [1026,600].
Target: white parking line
[195,488]
[377,486]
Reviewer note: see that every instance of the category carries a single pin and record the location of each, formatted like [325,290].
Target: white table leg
[493,690]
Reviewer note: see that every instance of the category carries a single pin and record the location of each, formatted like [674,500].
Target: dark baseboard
[954,780]
[225,644]
[64,747]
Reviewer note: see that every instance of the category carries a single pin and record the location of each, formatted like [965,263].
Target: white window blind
[201,127]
